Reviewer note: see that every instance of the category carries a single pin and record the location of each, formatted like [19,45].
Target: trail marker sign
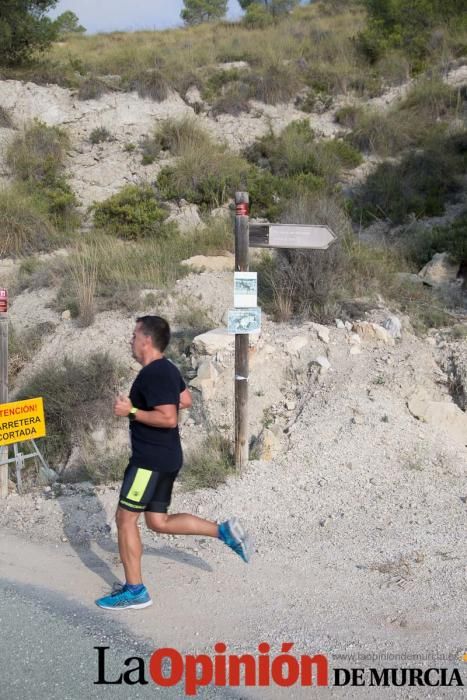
[290,236]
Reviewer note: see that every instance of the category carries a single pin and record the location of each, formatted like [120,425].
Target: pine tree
[198,11]
[275,7]
[24,28]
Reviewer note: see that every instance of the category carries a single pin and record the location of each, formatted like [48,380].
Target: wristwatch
[132,414]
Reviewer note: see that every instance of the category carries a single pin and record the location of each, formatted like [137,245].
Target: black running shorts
[146,490]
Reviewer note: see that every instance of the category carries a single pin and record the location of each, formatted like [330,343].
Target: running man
[156,396]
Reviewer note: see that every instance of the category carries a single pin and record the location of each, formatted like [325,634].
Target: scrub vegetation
[71,413]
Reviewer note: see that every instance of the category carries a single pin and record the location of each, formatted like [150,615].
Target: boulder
[440,270]
[394,326]
[323,362]
[214,341]
[211,263]
[187,217]
[446,416]
[322,331]
[297,344]
[372,331]
[269,443]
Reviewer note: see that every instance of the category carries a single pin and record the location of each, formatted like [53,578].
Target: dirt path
[359,527]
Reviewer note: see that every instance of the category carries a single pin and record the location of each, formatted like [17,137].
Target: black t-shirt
[159,383]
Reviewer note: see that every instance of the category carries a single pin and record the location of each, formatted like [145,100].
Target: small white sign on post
[245,289]
[244,320]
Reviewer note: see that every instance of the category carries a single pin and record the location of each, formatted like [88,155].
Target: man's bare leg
[181,524]
[129,545]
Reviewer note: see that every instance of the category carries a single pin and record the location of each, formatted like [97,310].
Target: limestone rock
[394,326]
[322,331]
[440,270]
[372,331]
[269,443]
[193,96]
[206,379]
[296,344]
[221,213]
[207,370]
[212,263]
[323,362]
[447,417]
[211,342]
[187,217]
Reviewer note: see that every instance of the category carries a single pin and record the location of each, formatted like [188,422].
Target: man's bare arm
[185,399]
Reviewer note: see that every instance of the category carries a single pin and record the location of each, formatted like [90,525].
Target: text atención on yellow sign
[21,421]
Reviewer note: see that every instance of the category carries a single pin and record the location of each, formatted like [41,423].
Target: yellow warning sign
[21,421]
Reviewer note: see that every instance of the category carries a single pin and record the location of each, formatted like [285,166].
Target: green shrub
[210,465]
[71,413]
[394,24]
[150,150]
[22,346]
[92,88]
[100,134]
[419,185]
[206,175]
[270,194]
[5,119]
[133,213]
[292,152]
[422,243]
[234,100]
[317,284]
[37,155]
[418,118]
[296,153]
[377,132]
[193,315]
[36,158]
[431,100]
[313,101]
[175,136]
[152,84]
[275,83]
[25,228]
[219,81]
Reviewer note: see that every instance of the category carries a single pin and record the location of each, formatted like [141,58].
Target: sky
[126,15]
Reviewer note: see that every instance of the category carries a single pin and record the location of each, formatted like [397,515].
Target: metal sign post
[3,385]
[241,339]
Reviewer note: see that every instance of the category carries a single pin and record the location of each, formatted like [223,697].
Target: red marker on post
[3,301]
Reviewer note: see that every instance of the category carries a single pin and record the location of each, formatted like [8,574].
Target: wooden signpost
[261,236]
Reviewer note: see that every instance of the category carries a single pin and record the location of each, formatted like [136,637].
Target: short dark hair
[157,329]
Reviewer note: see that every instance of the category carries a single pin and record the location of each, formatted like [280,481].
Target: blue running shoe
[232,533]
[122,598]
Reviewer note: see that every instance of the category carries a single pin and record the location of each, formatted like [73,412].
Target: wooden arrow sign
[290,236]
